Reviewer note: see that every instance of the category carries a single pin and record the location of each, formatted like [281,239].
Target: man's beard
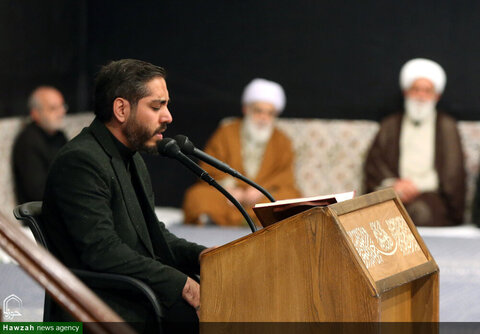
[258,133]
[418,111]
[138,135]
[51,126]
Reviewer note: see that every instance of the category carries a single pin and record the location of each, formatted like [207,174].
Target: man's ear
[121,109]
[35,115]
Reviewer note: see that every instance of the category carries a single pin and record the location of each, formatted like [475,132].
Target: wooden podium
[361,260]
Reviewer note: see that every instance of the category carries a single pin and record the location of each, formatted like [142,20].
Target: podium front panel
[383,239]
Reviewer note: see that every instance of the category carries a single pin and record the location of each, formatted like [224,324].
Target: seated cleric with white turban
[419,153]
[254,147]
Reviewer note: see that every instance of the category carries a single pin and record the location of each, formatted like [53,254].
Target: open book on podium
[269,213]
[359,260]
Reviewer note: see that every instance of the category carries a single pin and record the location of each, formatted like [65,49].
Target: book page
[269,213]
[340,197]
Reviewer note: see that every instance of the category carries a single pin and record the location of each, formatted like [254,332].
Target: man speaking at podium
[98,206]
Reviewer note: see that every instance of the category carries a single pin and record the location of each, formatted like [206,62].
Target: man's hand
[238,193]
[406,190]
[191,293]
[251,197]
[245,196]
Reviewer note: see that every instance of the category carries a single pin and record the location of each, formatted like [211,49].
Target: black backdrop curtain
[335,59]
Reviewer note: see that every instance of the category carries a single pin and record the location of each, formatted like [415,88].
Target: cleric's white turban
[422,68]
[261,90]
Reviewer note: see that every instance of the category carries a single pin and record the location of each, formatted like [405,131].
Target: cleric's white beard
[418,111]
[258,133]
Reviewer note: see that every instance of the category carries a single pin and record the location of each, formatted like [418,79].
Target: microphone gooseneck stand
[168,147]
[187,147]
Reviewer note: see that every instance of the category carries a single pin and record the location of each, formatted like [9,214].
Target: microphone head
[185,144]
[168,147]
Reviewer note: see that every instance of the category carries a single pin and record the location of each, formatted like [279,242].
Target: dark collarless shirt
[33,152]
[127,156]
[125,153]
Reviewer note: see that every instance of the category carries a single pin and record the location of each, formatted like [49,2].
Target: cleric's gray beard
[258,133]
[418,111]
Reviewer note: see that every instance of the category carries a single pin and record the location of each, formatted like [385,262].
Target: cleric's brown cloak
[383,162]
[275,174]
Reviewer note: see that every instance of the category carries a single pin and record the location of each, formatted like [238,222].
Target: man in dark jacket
[36,145]
[98,206]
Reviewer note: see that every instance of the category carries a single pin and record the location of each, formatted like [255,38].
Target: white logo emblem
[12,307]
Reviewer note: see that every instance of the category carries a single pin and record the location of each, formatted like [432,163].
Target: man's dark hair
[124,78]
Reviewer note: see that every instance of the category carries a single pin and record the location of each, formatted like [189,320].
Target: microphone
[187,147]
[168,147]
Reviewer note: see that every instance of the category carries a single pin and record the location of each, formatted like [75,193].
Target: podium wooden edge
[363,201]
[233,243]
[406,276]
